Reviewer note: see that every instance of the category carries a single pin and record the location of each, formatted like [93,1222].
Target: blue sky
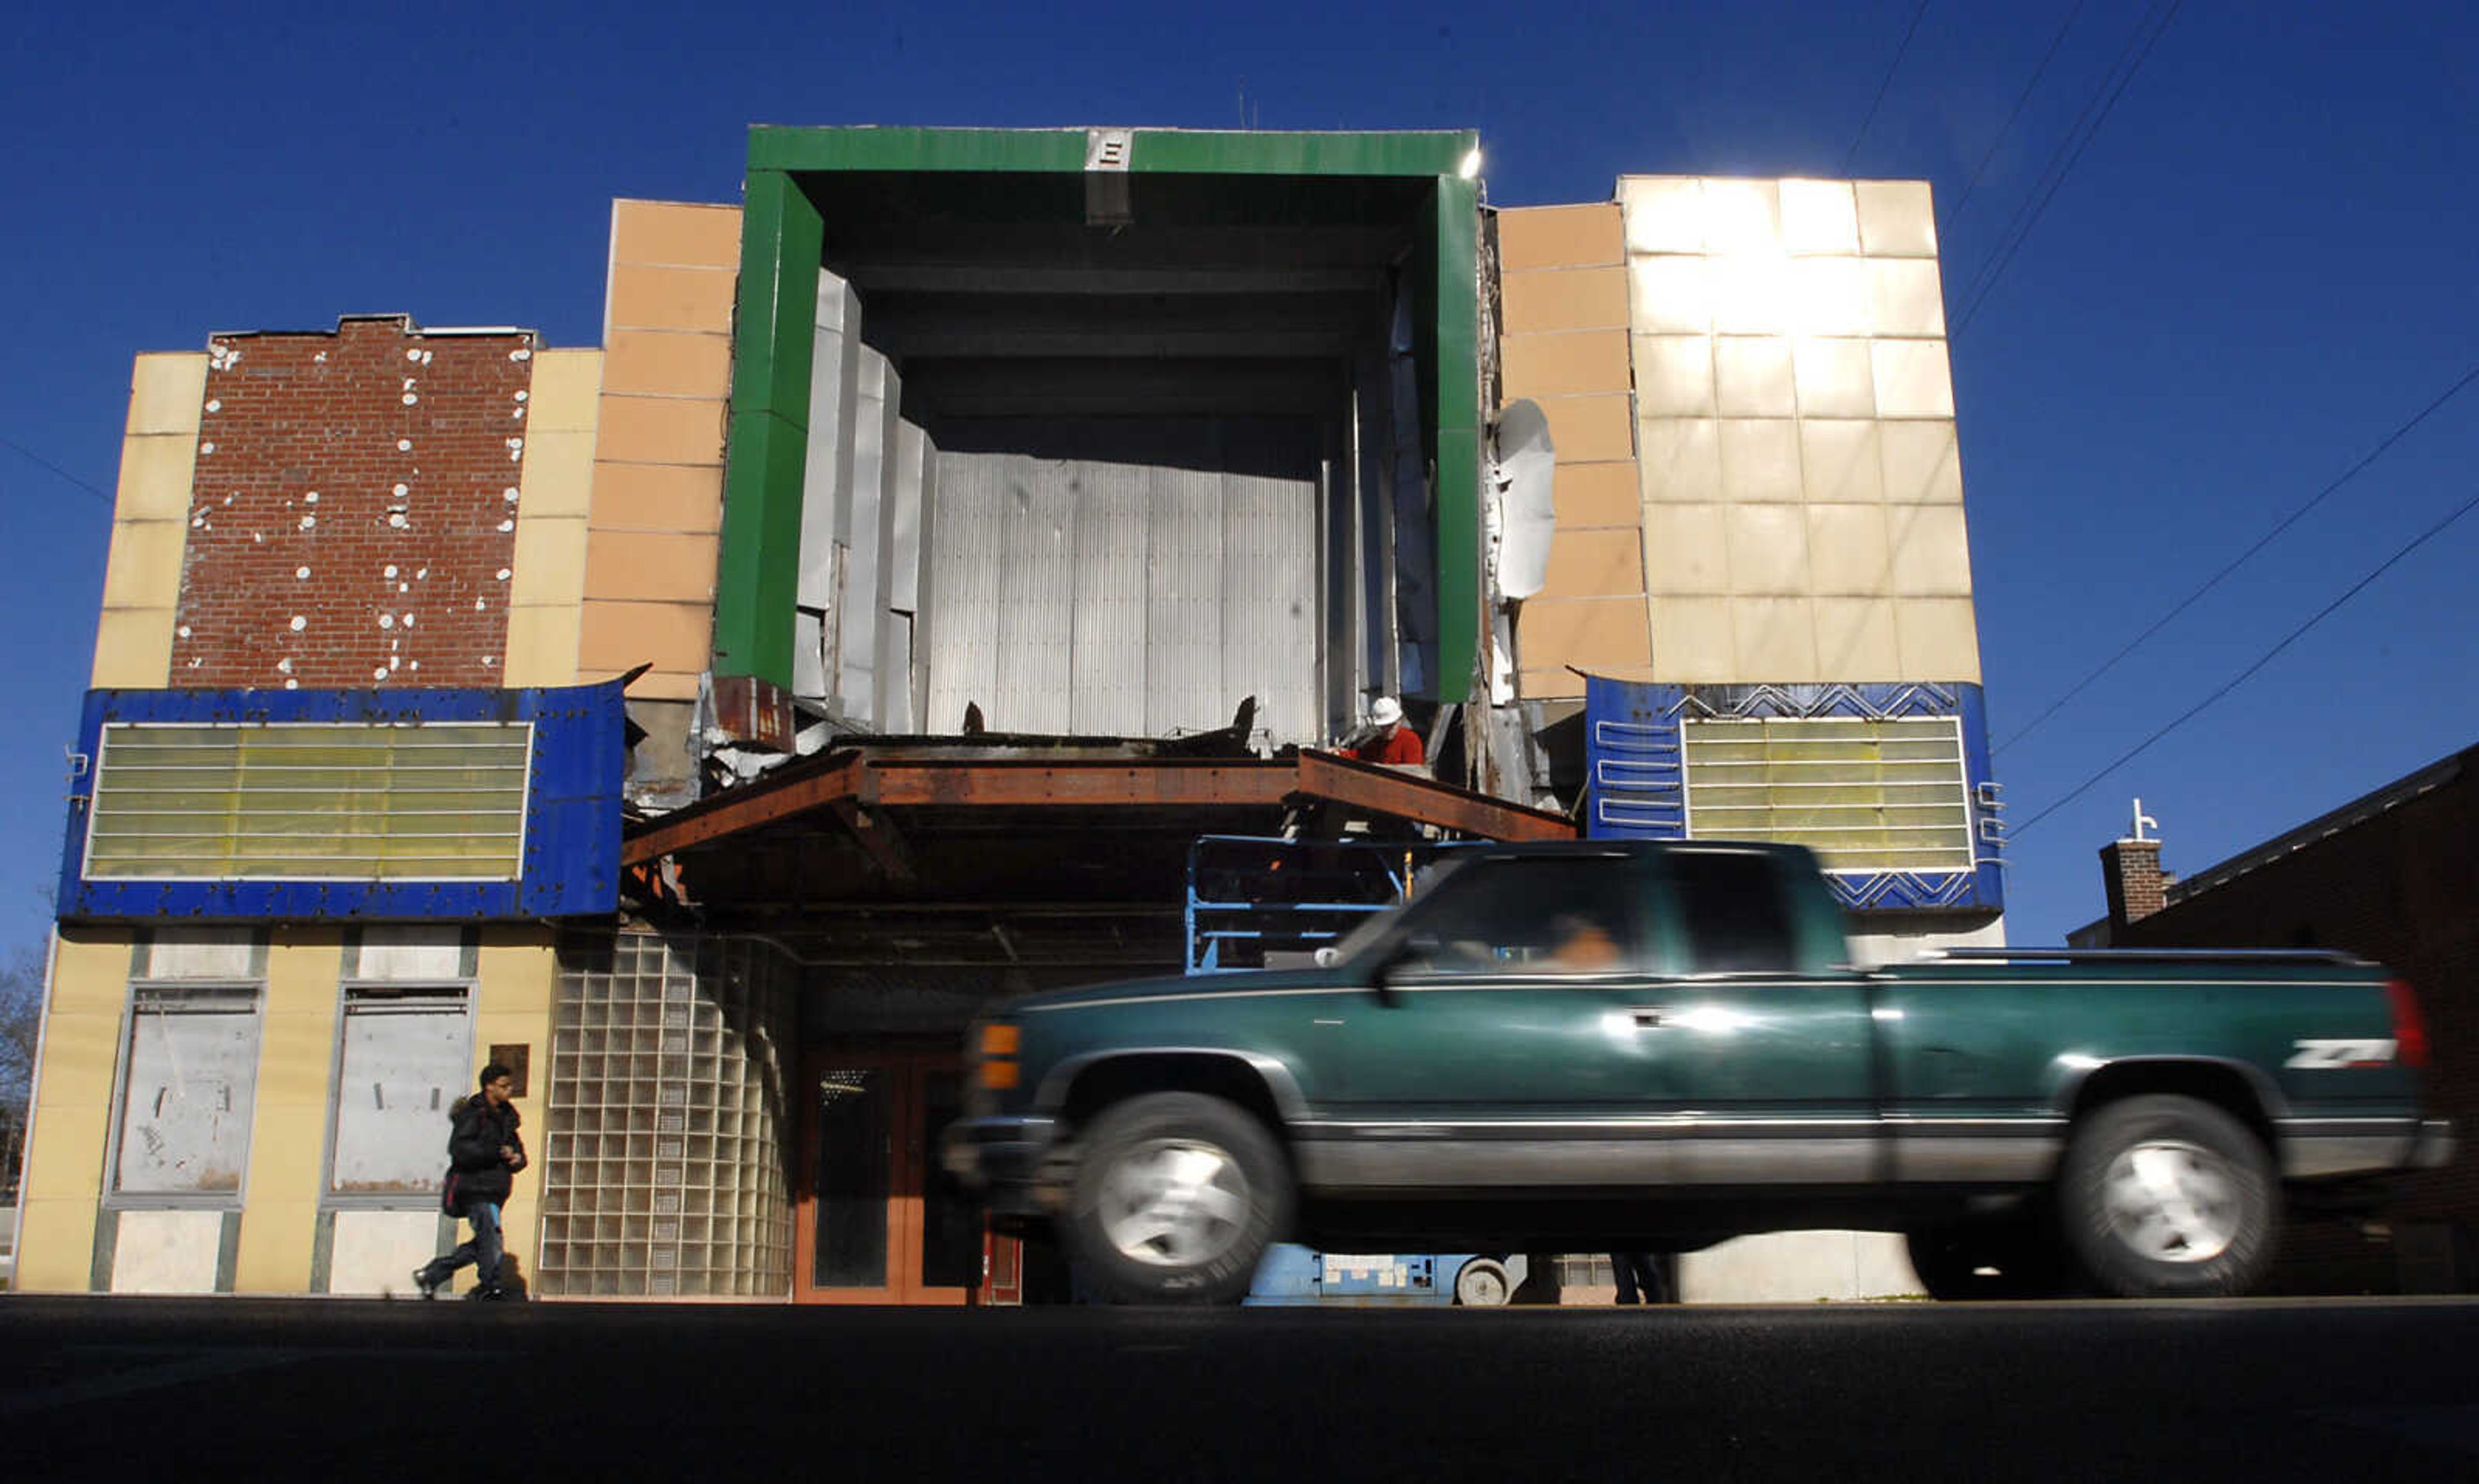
[2260,266]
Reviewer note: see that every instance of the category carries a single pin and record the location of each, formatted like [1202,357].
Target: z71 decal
[2326,1055]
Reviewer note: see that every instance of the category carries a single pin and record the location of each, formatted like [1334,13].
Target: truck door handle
[1646,1019]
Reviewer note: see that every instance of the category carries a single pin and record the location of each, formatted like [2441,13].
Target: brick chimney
[2130,870]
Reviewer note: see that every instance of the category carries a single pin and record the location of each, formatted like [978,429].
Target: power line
[2240,678]
[1999,262]
[33,457]
[2038,72]
[1852,155]
[2241,559]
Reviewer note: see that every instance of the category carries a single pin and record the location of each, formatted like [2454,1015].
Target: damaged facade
[940,545]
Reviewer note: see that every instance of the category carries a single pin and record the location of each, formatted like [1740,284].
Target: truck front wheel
[2169,1197]
[1176,1198]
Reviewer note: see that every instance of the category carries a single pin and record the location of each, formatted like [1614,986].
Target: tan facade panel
[1591,429]
[1533,237]
[1605,635]
[1921,462]
[1769,551]
[1692,643]
[676,233]
[133,648]
[1672,294]
[556,480]
[1940,642]
[543,642]
[660,430]
[562,395]
[72,1113]
[1904,297]
[1819,216]
[1682,460]
[1687,549]
[1673,375]
[1839,461]
[1897,218]
[288,1142]
[658,497]
[549,566]
[1575,299]
[1847,551]
[167,390]
[1760,459]
[648,297]
[1664,213]
[1912,378]
[1595,564]
[144,567]
[650,566]
[1931,551]
[1752,376]
[668,363]
[1855,639]
[1775,639]
[154,470]
[1569,363]
[1549,685]
[1598,497]
[619,635]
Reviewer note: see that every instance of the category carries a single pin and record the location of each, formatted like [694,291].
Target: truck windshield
[1542,914]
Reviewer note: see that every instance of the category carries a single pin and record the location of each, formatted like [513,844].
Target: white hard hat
[1385,711]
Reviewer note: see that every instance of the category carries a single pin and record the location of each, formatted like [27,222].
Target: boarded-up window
[1864,795]
[404,1065]
[346,801]
[193,1070]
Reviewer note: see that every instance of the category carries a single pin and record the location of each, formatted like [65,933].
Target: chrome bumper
[2434,1145]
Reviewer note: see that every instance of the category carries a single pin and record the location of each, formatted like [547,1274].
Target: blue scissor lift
[1255,903]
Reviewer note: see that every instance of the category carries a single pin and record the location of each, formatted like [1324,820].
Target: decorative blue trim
[1636,781]
[572,856]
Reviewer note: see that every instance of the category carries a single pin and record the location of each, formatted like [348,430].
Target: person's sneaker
[486,1294]
[424,1284]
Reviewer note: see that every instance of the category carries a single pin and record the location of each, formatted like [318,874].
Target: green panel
[1455,396]
[772,148]
[1440,152]
[762,548]
[780,248]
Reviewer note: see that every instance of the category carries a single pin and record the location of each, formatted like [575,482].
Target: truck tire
[1482,1284]
[1176,1198]
[2163,1196]
[2013,1258]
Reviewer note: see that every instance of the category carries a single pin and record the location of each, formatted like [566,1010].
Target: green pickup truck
[1632,1046]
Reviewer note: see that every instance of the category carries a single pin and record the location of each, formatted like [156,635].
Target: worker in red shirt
[1390,741]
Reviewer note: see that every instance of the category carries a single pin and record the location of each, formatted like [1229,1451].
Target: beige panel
[154,470]
[1548,685]
[1932,553]
[1938,639]
[1559,236]
[1682,459]
[1743,216]
[1568,364]
[144,567]
[656,684]
[1855,639]
[543,644]
[1818,215]
[675,232]
[288,1128]
[1828,297]
[1904,297]
[1897,218]
[1672,294]
[1839,462]
[1847,551]
[562,394]
[167,392]
[650,566]
[549,562]
[64,1157]
[517,979]
[1920,463]
[1687,549]
[1605,635]
[1760,459]
[668,363]
[81,1051]
[1767,550]
[1752,376]
[1579,299]
[1664,213]
[168,1251]
[1835,378]
[556,479]
[657,497]
[1913,379]
[1692,643]
[133,648]
[56,1247]
[1592,497]
[621,635]
[1776,638]
[1595,564]
[1752,295]
[1591,429]
[670,299]
[1673,375]
[660,430]
[375,1251]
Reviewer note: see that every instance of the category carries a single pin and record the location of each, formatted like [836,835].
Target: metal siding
[1037,598]
[873,420]
[827,472]
[1269,602]
[899,581]
[1112,543]
[965,566]
[1184,601]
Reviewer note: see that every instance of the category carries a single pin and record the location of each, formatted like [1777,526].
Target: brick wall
[353,512]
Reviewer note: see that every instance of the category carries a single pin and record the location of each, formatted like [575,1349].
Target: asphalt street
[309,1389]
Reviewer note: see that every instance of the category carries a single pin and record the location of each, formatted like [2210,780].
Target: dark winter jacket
[479,1133]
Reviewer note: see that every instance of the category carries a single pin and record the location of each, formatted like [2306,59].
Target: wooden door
[879,1221]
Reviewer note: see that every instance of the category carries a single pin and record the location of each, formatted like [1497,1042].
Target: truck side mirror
[1327,956]
[1403,952]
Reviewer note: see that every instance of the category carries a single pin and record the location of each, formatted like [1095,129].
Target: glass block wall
[670,1135]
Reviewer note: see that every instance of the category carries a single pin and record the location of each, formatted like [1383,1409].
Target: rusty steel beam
[1383,790]
[1116,782]
[744,808]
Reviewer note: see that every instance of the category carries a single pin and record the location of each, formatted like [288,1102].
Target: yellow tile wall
[159,455]
[665,386]
[64,1176]
[288,1135]
[517,979]
[1564,301]
[554,504]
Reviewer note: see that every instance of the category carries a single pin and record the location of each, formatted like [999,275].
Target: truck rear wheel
[1176,1198]
[2168,1197]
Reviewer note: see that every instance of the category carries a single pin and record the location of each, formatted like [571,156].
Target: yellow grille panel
[1864,795]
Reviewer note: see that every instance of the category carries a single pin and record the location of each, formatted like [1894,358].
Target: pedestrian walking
[484,1153]
[1640,1278]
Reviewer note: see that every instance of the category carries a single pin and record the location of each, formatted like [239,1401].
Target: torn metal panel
[967,561]
[825,475]
[875,419]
